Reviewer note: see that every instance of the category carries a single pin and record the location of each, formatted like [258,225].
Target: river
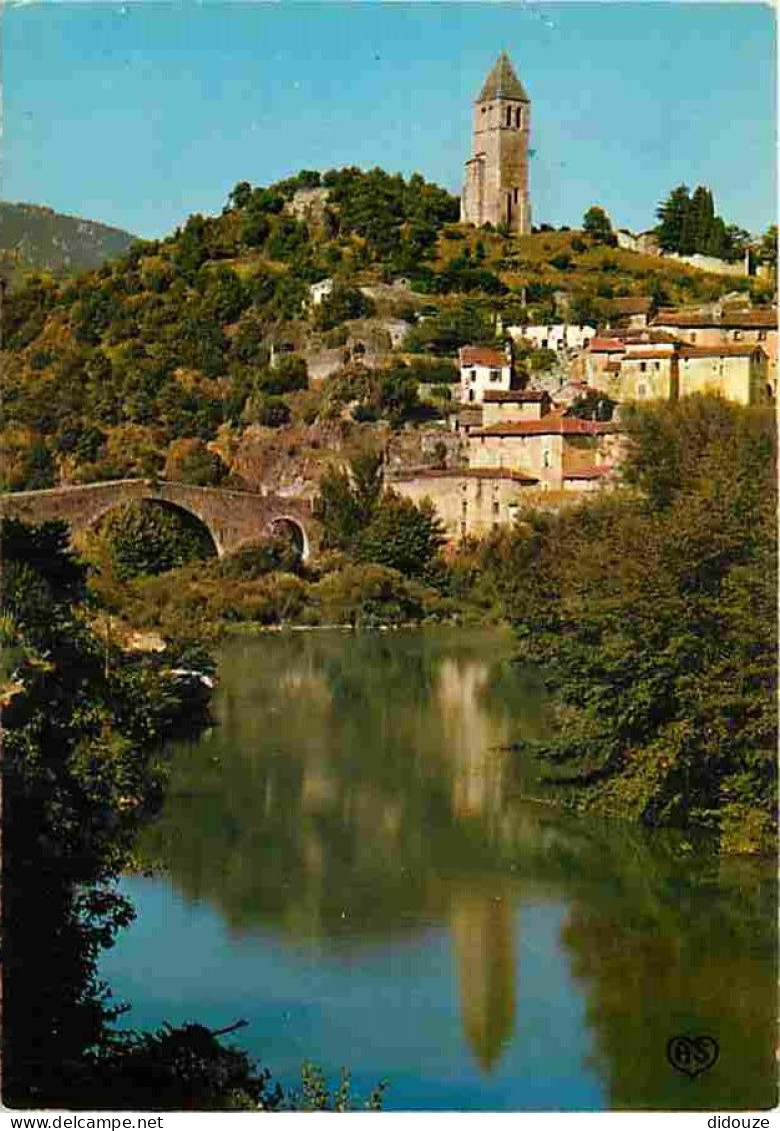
[348,861]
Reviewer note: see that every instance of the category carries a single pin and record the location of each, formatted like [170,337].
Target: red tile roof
[599,472]
[549,426]
[483,355]
[515,396]
[607,345]
[644,354]
[466,473]
[746,349]
[632,336]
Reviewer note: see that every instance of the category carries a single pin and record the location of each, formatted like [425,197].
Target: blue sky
[138,114]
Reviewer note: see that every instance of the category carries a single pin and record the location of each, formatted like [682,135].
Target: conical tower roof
[502,82]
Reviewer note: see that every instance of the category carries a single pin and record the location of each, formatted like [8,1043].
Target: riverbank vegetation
[83,770]
[381,563]
[653,612]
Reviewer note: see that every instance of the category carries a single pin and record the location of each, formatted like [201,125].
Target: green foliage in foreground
[654,614]
[82,770]
[187,1068]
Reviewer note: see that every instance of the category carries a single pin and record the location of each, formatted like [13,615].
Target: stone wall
[468,503]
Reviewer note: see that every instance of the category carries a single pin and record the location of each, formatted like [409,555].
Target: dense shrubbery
[173,340]
[655,616]
[341,305]
[78,772]
[688,225]
[190,461]
[445,332]
[81,770]
[147,539]
[390,394]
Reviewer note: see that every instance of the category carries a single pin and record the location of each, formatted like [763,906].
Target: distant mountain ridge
[36,238]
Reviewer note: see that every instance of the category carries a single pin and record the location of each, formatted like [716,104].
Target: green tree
[289,375]
[593,406]
[144,539]
[672,213]
[341,305]
[401,536]
[702,212]
[596,224]
[190,461]
[654,615]
[271,412]
[769,245]
[349,498]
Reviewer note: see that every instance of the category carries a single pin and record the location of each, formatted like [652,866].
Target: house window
[496,507]
[465,507]
[762,335]
[463,530]
[693,338]
[642,366]
[737,335]
[658,365]
[546,459]
[495,374]
[473,376]
[471,394]
[641,390]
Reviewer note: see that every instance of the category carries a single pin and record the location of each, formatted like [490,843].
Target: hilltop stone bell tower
[495,189]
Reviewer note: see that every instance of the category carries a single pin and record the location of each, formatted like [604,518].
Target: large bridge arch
[232,518]
[158,503]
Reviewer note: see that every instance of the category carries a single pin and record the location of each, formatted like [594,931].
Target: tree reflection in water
[360,788]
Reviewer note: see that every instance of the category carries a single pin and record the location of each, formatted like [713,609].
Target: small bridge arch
[232,518]
[286,525]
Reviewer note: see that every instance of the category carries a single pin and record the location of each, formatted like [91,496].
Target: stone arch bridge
[232,518]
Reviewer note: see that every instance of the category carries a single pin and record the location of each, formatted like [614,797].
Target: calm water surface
[350,866]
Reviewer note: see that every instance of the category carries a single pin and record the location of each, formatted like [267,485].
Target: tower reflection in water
[361,793]
[483,929]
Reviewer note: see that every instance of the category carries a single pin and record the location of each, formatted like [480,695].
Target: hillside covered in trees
[35,238]
[203,338]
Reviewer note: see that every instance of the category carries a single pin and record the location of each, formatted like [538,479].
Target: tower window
[509,115]
[518,117]
[515,196]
